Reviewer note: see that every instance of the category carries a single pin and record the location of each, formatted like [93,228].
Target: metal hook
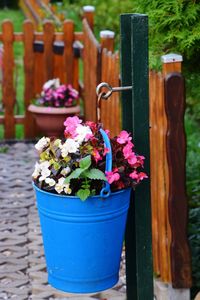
[110,89]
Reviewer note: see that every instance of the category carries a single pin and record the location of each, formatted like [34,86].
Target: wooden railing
[36,11]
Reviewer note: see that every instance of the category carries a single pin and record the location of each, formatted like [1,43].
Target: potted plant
[83,184]
[50,109]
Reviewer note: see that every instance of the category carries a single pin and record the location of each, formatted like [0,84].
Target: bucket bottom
[83,286]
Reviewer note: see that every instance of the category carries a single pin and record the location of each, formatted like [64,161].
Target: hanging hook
[110,89]
[100,96]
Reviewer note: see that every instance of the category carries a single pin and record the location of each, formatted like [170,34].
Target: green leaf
[75,174]
[85,162]
[83,194]
[95,174]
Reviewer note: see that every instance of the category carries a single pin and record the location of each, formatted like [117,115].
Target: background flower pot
[50,119]
[83,240]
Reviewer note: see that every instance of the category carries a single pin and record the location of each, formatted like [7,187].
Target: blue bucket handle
[105,192]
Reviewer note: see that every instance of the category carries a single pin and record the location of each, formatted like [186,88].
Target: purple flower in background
[55,94]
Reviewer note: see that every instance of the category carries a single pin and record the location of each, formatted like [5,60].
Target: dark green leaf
[75,174]
[83,194]
[95,174]
[85,162]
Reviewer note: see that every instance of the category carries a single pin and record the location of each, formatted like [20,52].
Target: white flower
[67,189]
[45,165]
[50,181]
[37,170]
[57,143]
[82,132]
[45,172]
[70,146]
[65,171]
[43,142]
[60,186]
[55,83]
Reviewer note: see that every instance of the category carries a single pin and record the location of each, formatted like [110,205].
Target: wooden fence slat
[107,39]
[153,157]
[39,67]
[59,70]
[91,72]
[29,125]
[111,109]
[68,30]
[162,188]
[176,155]
[48,49]
[117,123]
[9,93]
[88,14]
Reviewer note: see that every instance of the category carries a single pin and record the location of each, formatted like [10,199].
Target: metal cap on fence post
[88,13]
[107,39]
[172,62]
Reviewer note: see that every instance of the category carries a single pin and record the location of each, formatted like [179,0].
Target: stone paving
[22,264]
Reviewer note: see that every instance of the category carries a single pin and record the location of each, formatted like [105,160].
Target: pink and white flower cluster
[59,159]
[55,94]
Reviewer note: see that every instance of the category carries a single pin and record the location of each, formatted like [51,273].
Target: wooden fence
[171,257]
[50,54]
[47,55]
[36,11]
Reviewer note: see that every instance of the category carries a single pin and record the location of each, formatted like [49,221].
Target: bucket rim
[75,197]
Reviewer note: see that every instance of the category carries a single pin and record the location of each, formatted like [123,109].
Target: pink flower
[107,132]
[96,155]
[127,150]
[140,160]
[106,150]
[141,176]
[138,176]
[123,137]
[92,125]
[71,124]
[88,136]
[132,159]
[112,176]
[133,175]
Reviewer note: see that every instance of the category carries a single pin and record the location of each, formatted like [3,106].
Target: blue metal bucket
[83,240]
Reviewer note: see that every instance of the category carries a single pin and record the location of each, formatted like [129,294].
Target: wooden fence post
[29,123]
[48,49]
[59,69]
[135,116]
[107,39]
[88,13]
[176,157]
[68,30]
[9,92]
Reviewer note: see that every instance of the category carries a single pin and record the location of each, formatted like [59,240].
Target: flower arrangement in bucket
[83,184]
[55,103]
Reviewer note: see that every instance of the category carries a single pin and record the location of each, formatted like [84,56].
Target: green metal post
[135,114]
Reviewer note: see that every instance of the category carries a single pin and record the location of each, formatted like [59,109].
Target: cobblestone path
[22,264]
